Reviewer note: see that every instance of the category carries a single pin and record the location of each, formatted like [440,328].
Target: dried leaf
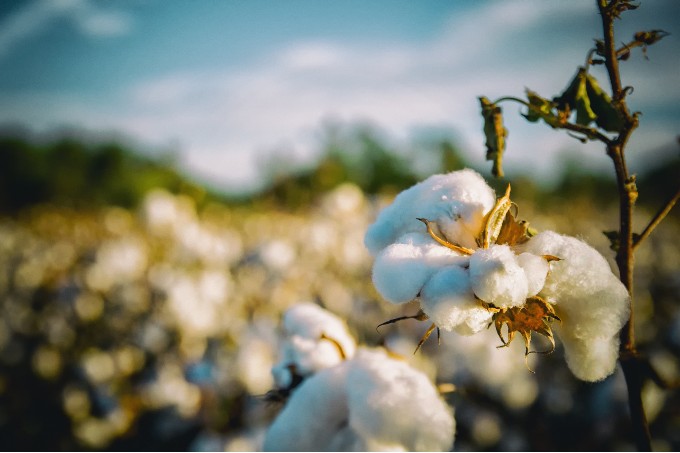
[650,37]
[420,316]
[534,316]
[495,135]
[427,335]
[494,220]
[513,232]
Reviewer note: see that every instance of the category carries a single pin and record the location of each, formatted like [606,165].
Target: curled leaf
[495,135]
[541,108]
[575,97]
[608,117]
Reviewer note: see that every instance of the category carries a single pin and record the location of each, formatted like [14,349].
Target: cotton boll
[457,201]
[580,268]
[536,270]
[448,301]
[497,277]
[601,313]
[582,286]
[591,360]
[310,321]
[314,339]
[311,417]
[394,406]
[401,269]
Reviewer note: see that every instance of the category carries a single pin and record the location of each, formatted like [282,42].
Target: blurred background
[174,175]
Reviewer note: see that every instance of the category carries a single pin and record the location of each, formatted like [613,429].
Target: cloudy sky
[227,82]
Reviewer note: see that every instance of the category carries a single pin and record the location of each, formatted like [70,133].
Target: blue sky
[226,83]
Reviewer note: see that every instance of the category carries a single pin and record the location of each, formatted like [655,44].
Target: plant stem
[624,257]
[656,220]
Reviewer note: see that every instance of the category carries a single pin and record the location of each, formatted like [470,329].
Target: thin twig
[663,212]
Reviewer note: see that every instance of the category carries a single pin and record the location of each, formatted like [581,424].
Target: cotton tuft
[591,301]
[457,201]
[369,403]
[497,277]
[401,269]
[314,339]
[449,302]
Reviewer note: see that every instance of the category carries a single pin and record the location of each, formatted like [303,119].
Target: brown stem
[656,220]
[624,257]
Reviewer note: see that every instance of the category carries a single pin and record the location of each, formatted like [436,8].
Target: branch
[627,196]
[663,212]
[590,132]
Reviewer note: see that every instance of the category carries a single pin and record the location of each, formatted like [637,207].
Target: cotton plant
[314,339]
[451,244]
[589,111]
[344,398]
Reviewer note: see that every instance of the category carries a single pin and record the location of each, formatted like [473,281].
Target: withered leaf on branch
[608,117]
[495,135]
[541,108]
[575,97]
[650,37]
[621,6]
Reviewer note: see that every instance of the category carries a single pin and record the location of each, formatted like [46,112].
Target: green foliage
[358,156]
[541,108]
[70,173]
[607,117]
[575,98]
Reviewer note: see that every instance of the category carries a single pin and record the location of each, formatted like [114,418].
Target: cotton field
[159,329]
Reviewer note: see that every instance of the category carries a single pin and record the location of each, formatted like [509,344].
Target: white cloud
[226,120]
[35,17]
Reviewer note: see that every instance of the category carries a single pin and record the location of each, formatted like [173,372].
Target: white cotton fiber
[401,269]
[369,403]
[582,286]
[449,302]
[314,339]
[497,277]
[456,201]
[313,416]
[393,405]
[591,360]
[536,270]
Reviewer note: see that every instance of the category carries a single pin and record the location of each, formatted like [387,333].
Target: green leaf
[608,117]
[495,135]
[541,108]
[575,97]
